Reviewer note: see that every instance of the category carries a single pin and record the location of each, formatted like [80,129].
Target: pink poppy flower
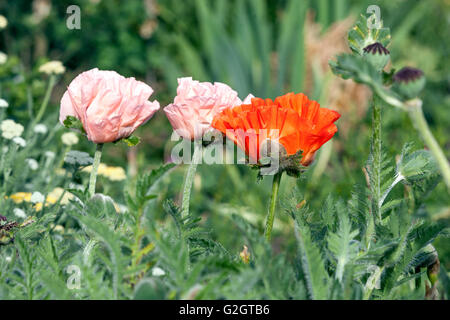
[109,106]
[196,105]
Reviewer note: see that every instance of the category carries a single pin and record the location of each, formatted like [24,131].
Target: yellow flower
[52,198]
[20,197]
[56,193]
[112,173]
[115,173]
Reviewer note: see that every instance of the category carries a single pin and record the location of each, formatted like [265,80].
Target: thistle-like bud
[377,55]
[409,82]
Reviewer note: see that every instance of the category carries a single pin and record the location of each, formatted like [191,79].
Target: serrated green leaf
[343,246]
[147,181]
[316,276]
[112,242]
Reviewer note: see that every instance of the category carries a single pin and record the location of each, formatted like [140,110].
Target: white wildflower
[37,197]
[3,103]
[3,57]
[8,259]
[76,186]
[3,22]
[40,128]
[20,141]
[10,129]
[50,154]
[33,164]
[52,67]
[69,138]
[19,213]
[158,272]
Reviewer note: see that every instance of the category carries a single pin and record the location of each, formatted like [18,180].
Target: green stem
[93,177]
[418,119]
[273,204]
[30,102]
[190,178]
[377,158]
[51,84]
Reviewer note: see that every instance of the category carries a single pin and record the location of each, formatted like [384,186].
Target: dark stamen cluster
[407,74]
[376,48]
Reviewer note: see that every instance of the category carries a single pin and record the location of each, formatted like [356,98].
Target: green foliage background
[237,42]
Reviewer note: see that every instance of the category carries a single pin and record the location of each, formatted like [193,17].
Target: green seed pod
[409,82]
[377,55]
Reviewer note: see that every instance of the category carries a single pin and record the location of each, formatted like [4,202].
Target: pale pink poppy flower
[109,106]
[196,104]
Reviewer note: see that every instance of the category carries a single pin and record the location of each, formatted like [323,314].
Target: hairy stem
[273,204]
[377,158]
[418,119]
[190,178]
[93,177]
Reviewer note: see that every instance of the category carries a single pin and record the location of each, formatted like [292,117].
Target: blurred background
[263,47]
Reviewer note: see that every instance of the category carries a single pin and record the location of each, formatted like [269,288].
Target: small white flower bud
[10,129]
[19,141]
[69,138]
[3,102]
[40,128]
[52,67]
[19,213]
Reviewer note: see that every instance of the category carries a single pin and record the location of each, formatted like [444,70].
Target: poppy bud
[409,82]
[377,55]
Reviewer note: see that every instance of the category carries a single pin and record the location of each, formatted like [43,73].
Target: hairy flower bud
[377,55]
[409,82]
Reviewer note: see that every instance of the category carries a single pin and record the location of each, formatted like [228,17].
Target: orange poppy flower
[293,120]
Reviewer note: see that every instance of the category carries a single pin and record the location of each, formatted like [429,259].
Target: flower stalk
[190,175]
[418,119]
[51,85]
[273,204]
[377,157]
[93,176]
